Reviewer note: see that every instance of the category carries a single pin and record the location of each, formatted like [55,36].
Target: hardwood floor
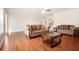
[2,40]
[19,42]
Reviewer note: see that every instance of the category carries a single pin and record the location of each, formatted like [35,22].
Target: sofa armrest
[55,29]
[26,31]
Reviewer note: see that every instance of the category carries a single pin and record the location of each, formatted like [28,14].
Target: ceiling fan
[45,11]
[48,10]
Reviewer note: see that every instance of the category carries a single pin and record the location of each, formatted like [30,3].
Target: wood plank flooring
[2,38]
[19,42]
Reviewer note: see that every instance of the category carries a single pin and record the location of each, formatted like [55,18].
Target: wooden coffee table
[51,38]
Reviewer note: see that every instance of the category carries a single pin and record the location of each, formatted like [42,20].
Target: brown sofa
[65,29]
[36,30]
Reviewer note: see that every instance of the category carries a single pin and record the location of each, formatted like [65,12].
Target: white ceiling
[25,10]
[55,10]
[35,11]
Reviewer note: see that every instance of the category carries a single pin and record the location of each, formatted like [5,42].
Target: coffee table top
[52,34]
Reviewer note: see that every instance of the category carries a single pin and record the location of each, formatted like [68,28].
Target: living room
[25,29]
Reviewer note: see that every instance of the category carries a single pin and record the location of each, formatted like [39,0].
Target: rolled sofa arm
[55,29]
[26,31]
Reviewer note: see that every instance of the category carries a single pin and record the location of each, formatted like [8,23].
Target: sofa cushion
[33,28]
[37,31]
[72,27]
[64,27]
[66,31]
[60,27]
[38,27]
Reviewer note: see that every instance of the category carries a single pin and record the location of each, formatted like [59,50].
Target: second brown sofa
[66,29]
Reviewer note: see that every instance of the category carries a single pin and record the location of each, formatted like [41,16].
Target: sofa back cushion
[38,27]
[66,27]
[35,27]
[63,27]
[60,27]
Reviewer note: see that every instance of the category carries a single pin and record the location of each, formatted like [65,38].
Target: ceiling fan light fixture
[48,10]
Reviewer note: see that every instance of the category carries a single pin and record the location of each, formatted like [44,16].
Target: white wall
[18,19]
[1,20]
[67,17]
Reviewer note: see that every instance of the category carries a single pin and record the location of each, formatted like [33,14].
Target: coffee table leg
[43,38]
